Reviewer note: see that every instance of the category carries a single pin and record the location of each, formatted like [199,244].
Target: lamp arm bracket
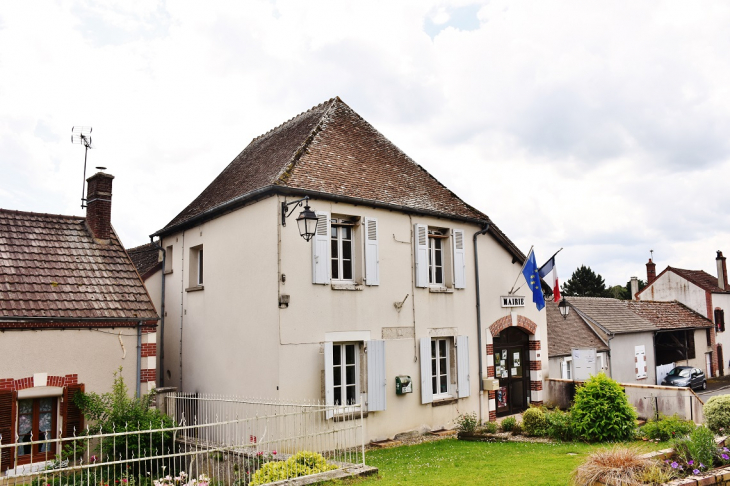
[285,207]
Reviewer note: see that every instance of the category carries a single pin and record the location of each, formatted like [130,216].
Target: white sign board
[584,363]
[512,301]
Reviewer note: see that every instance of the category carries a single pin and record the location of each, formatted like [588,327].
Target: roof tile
[51,267]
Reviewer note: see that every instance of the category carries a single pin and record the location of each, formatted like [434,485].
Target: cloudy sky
[599,127]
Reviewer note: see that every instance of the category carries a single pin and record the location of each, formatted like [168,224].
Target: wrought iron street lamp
[564,308]
[307,220]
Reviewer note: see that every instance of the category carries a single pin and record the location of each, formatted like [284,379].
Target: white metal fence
[210,441]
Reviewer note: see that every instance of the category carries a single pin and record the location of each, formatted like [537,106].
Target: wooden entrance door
[511,358]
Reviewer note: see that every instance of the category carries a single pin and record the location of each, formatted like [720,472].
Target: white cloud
[597,127]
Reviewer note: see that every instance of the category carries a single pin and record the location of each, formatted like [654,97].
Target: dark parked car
[686,376]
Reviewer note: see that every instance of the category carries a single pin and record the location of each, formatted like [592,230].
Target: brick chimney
[721,271]
[99,205]
[650,272]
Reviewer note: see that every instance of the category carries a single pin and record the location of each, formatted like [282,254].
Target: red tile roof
[330,151]
[669,315]
[700,278]
[146,259]
[52,269]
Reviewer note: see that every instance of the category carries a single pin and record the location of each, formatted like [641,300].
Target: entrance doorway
[511,358]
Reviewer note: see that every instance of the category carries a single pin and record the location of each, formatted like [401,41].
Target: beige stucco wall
[623,366]
[237,341]
[94,355]
[670,286]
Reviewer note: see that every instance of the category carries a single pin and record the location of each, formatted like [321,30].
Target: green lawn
[456,462]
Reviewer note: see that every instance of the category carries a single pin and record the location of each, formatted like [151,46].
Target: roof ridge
[278,127]
[285,171]
[31,213]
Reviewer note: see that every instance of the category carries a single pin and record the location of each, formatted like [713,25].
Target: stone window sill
[441,290]
[194,288]
[167,272]
[444,401]
[346,286]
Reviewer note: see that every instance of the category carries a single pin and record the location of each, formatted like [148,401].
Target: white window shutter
[459,259]
[329,380]
[372,271]
[463,382]
[321,250]
[421,242]
[563,371]
[426,391]
[376,375]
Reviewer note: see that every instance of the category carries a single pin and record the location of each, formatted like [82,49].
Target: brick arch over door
[522,322]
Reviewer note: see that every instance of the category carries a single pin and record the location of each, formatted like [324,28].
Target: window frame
[357,350]
[433,267]
[196,267]
[436,367]
[336,226]
[35,454]
[568,367]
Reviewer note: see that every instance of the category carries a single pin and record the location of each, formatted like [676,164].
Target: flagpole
[520,272]
[551,258]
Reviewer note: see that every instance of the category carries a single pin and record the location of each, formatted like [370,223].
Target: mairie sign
[512,301]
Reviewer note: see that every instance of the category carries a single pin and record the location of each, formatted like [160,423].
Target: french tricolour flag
[549,273]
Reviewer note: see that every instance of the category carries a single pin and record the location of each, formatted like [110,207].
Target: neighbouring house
[388,291]
[567,333]
[645,338]
[73,310]
[704,293]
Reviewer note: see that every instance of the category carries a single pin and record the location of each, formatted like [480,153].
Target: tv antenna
[82,135]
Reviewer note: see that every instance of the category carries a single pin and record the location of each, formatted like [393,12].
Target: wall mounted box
[403,384]
[490,384]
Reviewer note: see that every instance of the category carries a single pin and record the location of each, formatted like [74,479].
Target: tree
[585,283]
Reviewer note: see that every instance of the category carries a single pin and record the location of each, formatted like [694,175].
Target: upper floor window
[341,250]
[345,251]
[719,320]
[440,257]
[168,259]
[196,268]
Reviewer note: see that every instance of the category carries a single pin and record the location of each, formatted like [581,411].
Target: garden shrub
[533,422]
[667,428]
[302,463]
[559,425]
[717,413]
[616,465]
[517,429]
[601,411]
[117,412]
[508,424]
[702,446]
[467,423]
[487,428]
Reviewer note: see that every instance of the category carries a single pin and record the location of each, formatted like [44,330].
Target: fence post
[163,404]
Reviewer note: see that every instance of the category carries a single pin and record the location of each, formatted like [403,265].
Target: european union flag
[533,280]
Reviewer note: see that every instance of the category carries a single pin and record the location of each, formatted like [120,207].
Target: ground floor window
[36,421]
[345,371]
[439,367]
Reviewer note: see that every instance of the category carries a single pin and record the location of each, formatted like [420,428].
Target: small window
[168,259]
[566,369]
[435,260]
[36,422]
[196,268]
[719,320]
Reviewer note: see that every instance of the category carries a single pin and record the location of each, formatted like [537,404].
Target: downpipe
[479,317]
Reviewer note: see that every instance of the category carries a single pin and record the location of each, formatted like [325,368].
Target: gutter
[483,231]
[272,190]
[161,344]
[90,320]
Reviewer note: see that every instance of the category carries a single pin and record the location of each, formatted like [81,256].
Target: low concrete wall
[647,399]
